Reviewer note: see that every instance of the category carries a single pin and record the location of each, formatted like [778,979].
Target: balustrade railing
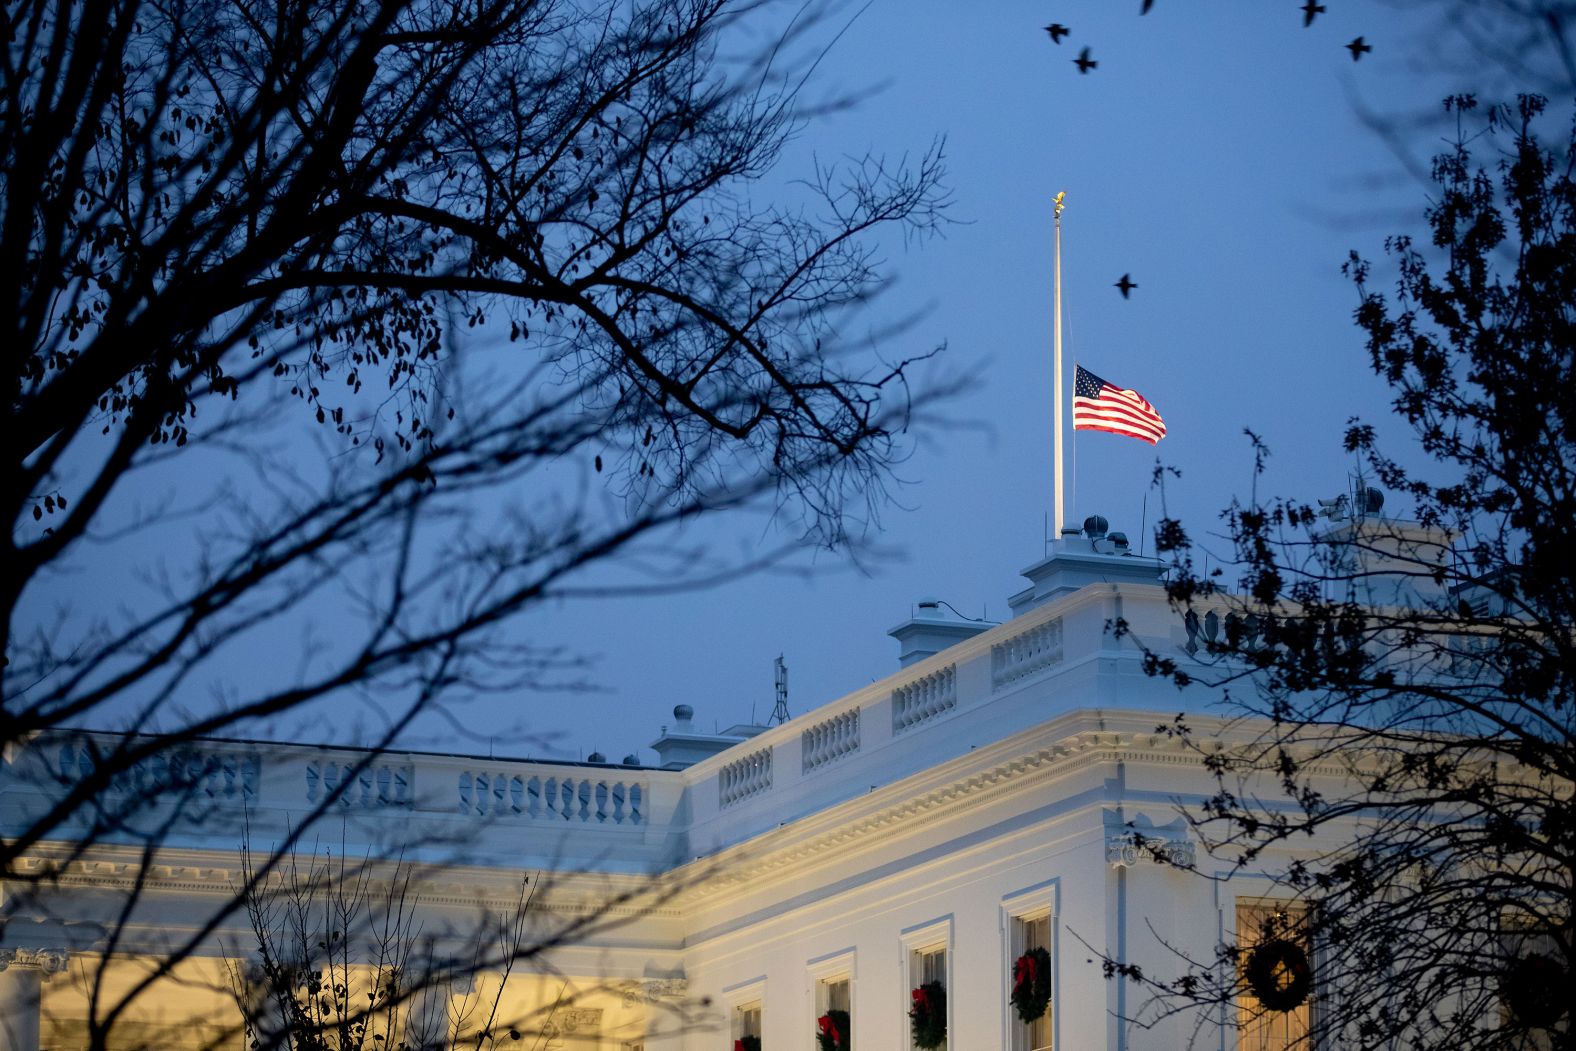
[924,699]
[181,772]
[1026,653]
[378,784]
[588,800]
[1212,631]
[745,777]
[830,740]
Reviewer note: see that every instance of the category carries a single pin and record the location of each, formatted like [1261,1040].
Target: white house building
[1007,788]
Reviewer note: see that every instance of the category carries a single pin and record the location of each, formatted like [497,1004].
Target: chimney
[684,747]
[933,627]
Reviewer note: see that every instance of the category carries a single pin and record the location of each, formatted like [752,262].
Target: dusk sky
[1219,154]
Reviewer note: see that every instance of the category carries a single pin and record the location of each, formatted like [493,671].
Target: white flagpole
[1056,365]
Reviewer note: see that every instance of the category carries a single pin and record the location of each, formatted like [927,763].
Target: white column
[265,1015]
[427,1021]
[22,974]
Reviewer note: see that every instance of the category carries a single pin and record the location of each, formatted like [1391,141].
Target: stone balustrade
[1025,653]
[213,777]
[208,774]
[823,756]
[359,783]
[586,799]
[924,699]
[743,778]
[830,740]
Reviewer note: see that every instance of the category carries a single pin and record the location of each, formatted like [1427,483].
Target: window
[1030,932]
[833,999]
[831,988]
[747,1020]
[925,951]
[928,965]
[1532,989]
[1264,1027]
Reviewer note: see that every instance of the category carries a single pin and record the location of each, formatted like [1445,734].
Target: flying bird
[1147,5]
[1057,31]
[1309,10]
[1358,48]
[1084,62]
[1127,284]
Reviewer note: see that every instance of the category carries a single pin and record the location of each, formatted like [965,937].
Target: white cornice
[1020,763]
[117,868]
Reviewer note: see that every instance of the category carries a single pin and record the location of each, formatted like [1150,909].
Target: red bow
[829,1028]
[1024,971]
[921,1001]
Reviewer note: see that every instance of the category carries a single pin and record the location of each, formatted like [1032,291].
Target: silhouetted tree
[1413,676]
[475,242]
[421,310]
[347,957]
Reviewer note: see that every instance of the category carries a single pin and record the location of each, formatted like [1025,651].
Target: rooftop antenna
[780,713]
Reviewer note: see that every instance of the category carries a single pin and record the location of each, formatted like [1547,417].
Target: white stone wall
[994,776]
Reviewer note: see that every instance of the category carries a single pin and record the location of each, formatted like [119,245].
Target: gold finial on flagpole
[1061,200]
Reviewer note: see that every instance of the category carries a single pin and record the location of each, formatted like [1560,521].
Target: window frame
[1040,901]
[740,998]
[919,941]
[824,971]
[1239,1009]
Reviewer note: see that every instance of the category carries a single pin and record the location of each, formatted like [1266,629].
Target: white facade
[1009,788]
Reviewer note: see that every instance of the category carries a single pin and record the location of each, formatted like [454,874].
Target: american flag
[1099,405]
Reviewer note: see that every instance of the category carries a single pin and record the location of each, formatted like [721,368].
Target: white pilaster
[22,974]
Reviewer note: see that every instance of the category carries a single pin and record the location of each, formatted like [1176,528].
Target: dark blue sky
[1220,154]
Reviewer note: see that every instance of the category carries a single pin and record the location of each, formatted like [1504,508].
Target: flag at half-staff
[1099,405]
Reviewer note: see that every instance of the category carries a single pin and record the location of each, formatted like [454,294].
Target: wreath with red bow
[747,1043]
[831,1031]
[1031,984]
[927,1015]
[1279,974]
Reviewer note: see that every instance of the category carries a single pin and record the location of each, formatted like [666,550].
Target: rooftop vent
[632,759]
[596,757]
[1095,527]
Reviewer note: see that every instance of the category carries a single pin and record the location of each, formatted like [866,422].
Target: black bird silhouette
[1127,284]
[1084,62]
[1057,31]
[1358,48]
[1308,11]
[1147,5]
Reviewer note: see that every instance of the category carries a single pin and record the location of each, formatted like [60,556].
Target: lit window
[927,973]
[1533,990]
[1029,933]
[747,1025]
[1274,1011]
[833,1003]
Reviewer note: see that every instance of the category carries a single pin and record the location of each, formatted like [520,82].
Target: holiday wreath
[1279,974]
[927,1015]
[831,1031]
[1031,984]
[1535,988]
